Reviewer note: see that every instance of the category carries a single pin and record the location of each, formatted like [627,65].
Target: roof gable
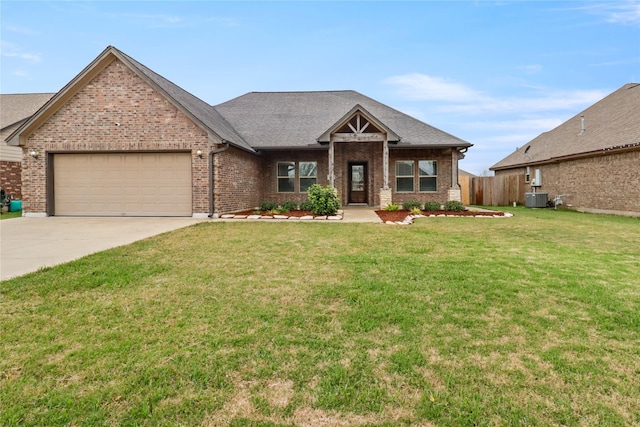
[197,110]
[344,125]
[611,123]
[300,119]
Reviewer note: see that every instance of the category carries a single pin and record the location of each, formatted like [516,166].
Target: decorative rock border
[409,219]
[339,215]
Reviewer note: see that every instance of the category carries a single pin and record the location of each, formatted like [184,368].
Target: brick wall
[443,180]
[270,173]
[116,111]
[607,183]
[10,179]
[369,152]
[237,182]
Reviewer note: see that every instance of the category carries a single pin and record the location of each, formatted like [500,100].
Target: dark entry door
[358,182]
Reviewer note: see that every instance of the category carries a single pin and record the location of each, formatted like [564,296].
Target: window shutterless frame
[428,175]
[286,177]
[404,176]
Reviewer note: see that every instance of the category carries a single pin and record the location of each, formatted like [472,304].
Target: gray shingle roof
[613,122]
[297,119]
[15,108]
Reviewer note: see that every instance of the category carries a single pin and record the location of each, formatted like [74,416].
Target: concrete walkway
[27,244]
[359,214]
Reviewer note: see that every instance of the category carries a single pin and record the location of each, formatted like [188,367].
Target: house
[592,160]
[15,109]
[121,140]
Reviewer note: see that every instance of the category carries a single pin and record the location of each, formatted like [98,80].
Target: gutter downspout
[225,146]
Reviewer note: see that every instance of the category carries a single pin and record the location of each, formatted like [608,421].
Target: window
[427,173]
[308,175]
[286,177]
[527,174]
[404,176]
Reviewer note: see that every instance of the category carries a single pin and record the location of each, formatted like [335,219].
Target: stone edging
[409,219]
[337,217]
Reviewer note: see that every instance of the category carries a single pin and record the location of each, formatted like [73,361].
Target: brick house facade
[226,158]
[592,160]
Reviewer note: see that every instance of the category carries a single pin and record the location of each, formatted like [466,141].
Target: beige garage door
[122,184]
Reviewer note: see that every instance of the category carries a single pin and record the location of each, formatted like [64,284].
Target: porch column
[454,191]
[385,164]
[331,163]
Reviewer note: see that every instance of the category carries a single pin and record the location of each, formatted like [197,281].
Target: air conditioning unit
[536,200]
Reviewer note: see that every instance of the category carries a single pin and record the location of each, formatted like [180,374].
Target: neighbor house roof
[612,123]
[299,119]
[14,108]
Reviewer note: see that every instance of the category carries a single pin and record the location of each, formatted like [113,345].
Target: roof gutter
[225,147]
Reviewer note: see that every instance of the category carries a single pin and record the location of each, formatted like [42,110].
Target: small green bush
[392,207]
[454,206]
[324,200]
[289,206]
[410,204]
[306,205]
[416,211]
[268,205]
[432,206]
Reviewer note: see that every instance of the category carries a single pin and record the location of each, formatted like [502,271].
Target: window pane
[309,169]
[287,169]
[428,184]
[404,184]
[404,168]
[305,183]
[286,185]
[427,167]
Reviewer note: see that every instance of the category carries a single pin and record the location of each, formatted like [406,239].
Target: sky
[493,73]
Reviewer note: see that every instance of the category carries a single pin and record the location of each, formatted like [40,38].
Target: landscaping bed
[401,214]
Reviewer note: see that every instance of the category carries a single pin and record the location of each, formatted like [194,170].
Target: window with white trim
[296,176]
[527,174]
[404,176]
[427,175]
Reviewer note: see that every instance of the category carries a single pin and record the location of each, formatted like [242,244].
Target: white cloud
[531,69]
[427,88]
[620,12]
[11,50]
[21,30]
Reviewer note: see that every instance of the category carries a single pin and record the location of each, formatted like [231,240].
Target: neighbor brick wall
[237,180]
[443,181]
[87,123]
[600,183]
[10,179]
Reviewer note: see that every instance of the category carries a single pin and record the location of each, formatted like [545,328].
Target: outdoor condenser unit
[536,200]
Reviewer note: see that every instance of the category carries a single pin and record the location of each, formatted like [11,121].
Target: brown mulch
[400,215]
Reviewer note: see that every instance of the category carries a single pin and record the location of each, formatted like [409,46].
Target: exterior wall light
[199,153]
[33,154]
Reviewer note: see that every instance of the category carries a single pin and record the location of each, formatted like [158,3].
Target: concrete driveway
[27,244]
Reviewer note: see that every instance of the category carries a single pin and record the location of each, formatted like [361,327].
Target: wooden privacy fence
[497,190]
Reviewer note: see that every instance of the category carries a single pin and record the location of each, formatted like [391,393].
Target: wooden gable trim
[331,133]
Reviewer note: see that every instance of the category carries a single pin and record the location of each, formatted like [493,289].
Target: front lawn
[530,320]
[9,215]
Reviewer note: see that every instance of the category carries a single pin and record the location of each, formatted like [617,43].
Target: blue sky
[494,73]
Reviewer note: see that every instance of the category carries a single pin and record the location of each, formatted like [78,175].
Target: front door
[358,182]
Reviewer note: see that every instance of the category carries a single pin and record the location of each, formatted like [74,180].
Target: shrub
[454,206]
[416,211]
[432,206]
[306,205]
[392,207]
[410,204]
[268,205]
[288,206]
[324,200]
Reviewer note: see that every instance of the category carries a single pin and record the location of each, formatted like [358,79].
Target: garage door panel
[123,184]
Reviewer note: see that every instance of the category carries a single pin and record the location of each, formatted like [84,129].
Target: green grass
[9,215]
[530,320]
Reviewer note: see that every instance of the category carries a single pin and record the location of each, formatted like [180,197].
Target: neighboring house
[121,140]
[592,159]
[14,111]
